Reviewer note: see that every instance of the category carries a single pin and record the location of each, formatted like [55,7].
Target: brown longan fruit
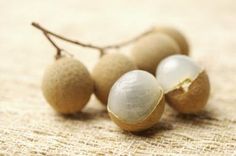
[67,85]
[178,37]
[151,49]
[109,69]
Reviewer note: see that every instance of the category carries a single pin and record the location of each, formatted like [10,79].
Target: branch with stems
[47,33]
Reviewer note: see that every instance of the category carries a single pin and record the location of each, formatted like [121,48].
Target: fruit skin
[109,69]
[177,36]
[151,49]
[67,85]
[148,122]
[193,100]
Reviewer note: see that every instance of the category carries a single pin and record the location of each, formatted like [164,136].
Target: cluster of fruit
[133,89]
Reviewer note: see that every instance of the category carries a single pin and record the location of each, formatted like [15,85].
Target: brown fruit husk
[151,49]
[67,85]
[193,100]
[178,37]
[146,123]
[109,69]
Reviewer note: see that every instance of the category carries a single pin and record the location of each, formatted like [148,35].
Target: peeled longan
[177,36]
[185,83]
[151,49]
[136,101]
[109,69]
[67,85]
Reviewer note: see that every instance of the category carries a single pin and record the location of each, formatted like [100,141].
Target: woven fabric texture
[28,125]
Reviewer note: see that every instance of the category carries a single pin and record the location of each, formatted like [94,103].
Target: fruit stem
[125,43]
[58,49]
[87,45]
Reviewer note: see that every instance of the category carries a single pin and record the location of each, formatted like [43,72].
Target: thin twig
[87,45]
[59,50]
[125,43]
[64,38]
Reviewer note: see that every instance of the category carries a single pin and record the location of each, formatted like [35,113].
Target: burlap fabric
[28,126]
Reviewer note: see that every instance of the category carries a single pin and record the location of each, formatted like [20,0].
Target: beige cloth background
[29,126]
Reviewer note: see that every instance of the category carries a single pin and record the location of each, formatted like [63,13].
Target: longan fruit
[185,83]
[151,49]
[109,69]
[67,85]
[177,36]
[136,101]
